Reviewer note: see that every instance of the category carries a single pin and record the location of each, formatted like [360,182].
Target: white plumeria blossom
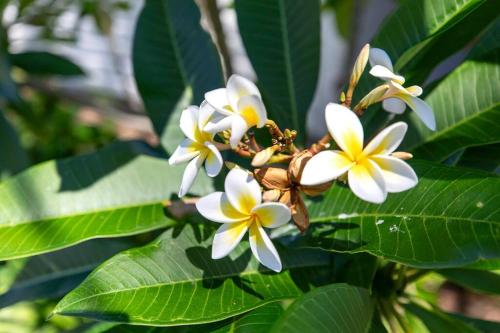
[241,105]
[239,209]
[399,96]
[371,171]
[198,147]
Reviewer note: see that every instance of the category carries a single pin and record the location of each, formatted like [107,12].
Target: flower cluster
[271,194]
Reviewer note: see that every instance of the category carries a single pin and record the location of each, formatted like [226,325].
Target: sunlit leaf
[193,288]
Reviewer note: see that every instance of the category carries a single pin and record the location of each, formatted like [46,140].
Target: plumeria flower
[372,171]
[240,104]
[397,96]
[197,148]
[239,209]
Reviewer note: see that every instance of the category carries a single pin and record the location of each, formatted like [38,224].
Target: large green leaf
[334,308]
[52,275]
[483,326]
[259,320]
[449,219]
[282,39]
[422,33]
[482,157]
[193,288]
[13,158]
[172,53]
[467,109]
[44,63]
[412,27]
[478,280]
[419,35]
[437,321]
[116,191]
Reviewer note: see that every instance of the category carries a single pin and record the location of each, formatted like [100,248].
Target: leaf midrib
[415,216]
[79,214]
[288,68]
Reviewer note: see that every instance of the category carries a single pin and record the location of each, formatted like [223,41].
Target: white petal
[380,57]
[218,125]
[387,140]
[218,99]
[415,91]
[394,105]
[424,112]
[186,151]
[238,129]
[272,214]
[385,74]
[263,249]
[366,181]
[252,110]
[217,208]
[398,175]
[238,87]
[190,174]
[227,238]
[205,113]
[324,167]
[345,128]
[213,162]
[189,122]
[242,190]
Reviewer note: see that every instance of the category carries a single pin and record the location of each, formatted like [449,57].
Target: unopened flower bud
[272,178]
[374,96]
[263,156]
[402,155]
[359,66]
[271,195]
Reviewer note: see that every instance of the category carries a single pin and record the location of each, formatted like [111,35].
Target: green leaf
[449,219]
[467,110]
[334,308]
[418,36]
[483,326]
[259,320]
[172,54]
[52,275]
[116,191]
[412,27]
[282,39]
[13,158]
[437,321]
[483,157]
[44,63]
[470,23]
[477,280]
[193,288]
[355,269]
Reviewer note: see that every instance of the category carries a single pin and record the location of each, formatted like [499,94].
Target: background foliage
[359,268]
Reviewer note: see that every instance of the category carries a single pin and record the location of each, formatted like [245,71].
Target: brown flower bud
[297,165]
[271,195]
[263,156]
[300,216]
[402,155]
[286,198]
[272,178]
[316,189]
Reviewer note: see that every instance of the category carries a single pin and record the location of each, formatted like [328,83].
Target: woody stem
[321,144]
